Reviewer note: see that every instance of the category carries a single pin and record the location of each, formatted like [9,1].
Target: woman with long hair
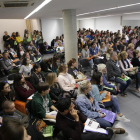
[23,88]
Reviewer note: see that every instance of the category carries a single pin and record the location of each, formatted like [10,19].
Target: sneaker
[122,118]
[117,130]
[123,94]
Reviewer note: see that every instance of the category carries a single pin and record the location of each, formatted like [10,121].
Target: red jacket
[23,93]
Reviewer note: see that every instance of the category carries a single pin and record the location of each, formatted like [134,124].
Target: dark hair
[2,84]
[73,60]
[85,45]
[42,87]
[63,104]
[115,41]
[36,66]
[17,78]
[122,48]
[135,52]
[25,61]
[55,58]
[95,79]
[122,38]
[93,43]
[12,131]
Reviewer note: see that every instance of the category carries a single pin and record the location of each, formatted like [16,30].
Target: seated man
[7,63]
[11,51]
[116,46]
[71,123]
[11,114]
[94,51]
[89,36]
[116,73]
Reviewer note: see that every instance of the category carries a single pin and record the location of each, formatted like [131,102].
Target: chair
[28,109]
[85,66]
[98,61]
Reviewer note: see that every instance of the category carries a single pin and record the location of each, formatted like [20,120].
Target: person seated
[78,76]
[130,50]
[86,105]
[23,88]
[42,103]
[60,48]
[45,65]
[7,63]
[70,122]
[109,50]
[18,38]
[94,51]
[36,76]
[85,55]
[135,60]
[66,81]
[20,51]
[102,49]
[6,93]
[26,41]
[55,89]
[32,47]
[13,131]
[89,36]
[102,68]
[26,67]
[116,74]
[97,84]
[6,38]
[27,55]
[11,51]
[115,46]
[11,114]
[55,61]
[123,48]
[128,68]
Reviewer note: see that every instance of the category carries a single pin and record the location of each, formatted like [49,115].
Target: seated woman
[26,67]
[96,81]
[102,49]
[85,55]
[88,105]
[20,51]
[123,48]
[108,52]
[66,81]
[55,62]
[42,103]
[23,88]
[128,67]
[130,50]
[135,60]
[60,48]
[6,93]
[36,76]
[102,68]
[55,89]
[78,76]
[27,55]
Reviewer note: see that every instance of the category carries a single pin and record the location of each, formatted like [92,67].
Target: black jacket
[55,92]
[113,70]
[34,80]
[135,62]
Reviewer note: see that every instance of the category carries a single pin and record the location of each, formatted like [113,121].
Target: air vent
[8,5]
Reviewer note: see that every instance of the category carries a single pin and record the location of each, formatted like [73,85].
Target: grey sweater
[113,69]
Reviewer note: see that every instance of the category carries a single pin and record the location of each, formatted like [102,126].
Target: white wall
[135,16]
[108,23]
[51,28]
[11,25]
[86,23]
[132,23]
[35,24]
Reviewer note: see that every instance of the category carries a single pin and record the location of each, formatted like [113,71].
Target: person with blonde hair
[109,50]
[103,48]
[130,50]
[66,81]
[88,105]
[55,89]
[128,68]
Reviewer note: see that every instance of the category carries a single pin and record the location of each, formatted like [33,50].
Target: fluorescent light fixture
[131,13]
[110,9]
[38,8]
[96,17]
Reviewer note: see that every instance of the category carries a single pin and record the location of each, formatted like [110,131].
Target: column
[70,34]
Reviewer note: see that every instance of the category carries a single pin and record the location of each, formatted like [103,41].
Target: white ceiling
[55,7]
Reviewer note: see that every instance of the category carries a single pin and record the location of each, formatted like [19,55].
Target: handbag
[40,125]
[133,72]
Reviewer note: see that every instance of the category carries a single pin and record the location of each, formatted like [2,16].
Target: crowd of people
[63,88]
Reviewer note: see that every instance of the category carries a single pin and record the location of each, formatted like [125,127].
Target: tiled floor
[130,107]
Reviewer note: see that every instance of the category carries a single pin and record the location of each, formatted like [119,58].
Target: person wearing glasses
[6,93]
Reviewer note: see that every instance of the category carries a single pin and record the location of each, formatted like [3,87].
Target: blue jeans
[114,104]
[123,84]
[103,123]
